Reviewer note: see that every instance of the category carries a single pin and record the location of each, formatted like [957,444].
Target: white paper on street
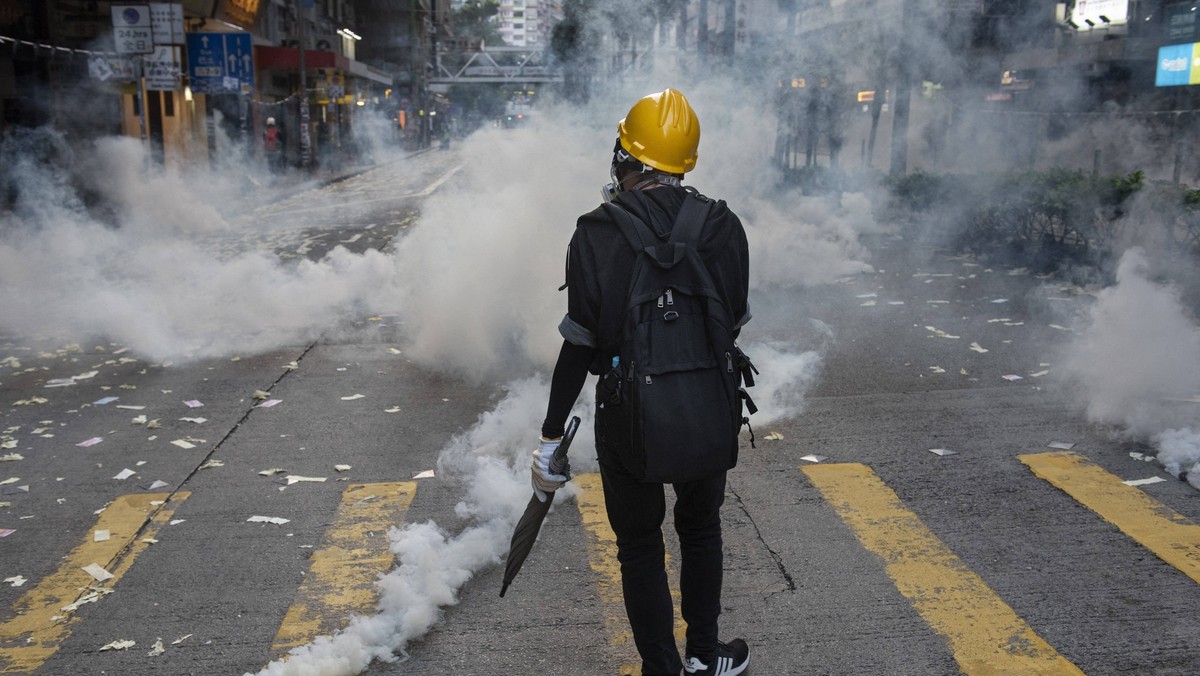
[1061,445]
[198,421]
[813,457]
[427,474]
[942,451]
[279,521]
[1144,482]
[1012,378]
[342,468]
[183,444]
[774,436]
[976,347]
[270,403]
[119,644]
[158,648]
[90,442]
[101,535]
[104,401]
[193,403]
[15,581]
[124,474]
[97,571]
[353,397]
[296,478]
[211,463]
[273,471]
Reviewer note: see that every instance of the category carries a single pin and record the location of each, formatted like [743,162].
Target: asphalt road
[883,558]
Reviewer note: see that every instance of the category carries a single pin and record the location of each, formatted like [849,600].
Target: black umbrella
[535,512]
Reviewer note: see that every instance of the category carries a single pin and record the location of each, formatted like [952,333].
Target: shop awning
[288,58]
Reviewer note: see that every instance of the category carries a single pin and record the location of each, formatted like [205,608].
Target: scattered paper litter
[1012,378]
[139,420]
[260,395]
[11,490]
[97,571]
[90,442]
[10,480]
[15,581]
[296,478]
[1039,374]
[131,408]
[353,397]
[181,639]
[273,471]
[394,409]
[1061,445]
[268,519]
[978,348]
[342,468]
[942,451]
[124,474]
[158,648]
[813,457]
[427,474]
[175,522]
[1059,327]
[193,403]
[5,532]
[1000,300]
[10,457]
[94,595]
[154,486]
[101,535]
[198,421]
[105,400]
[392,350]
[937,369]
[118,645]
[867,295]
[774,436]
[211,463]
[270,403]
[1144,482]
[183,444]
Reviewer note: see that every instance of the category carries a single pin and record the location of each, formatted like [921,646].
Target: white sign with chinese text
[167,22]
[162,69]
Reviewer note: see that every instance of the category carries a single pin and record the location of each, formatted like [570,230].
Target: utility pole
[305,136]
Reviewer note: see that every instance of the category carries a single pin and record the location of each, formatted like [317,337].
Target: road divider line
[984,634]
[1172,537]
[44,614]
[603,561]
[342,573]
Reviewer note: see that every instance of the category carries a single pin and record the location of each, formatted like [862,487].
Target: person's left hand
[544,479]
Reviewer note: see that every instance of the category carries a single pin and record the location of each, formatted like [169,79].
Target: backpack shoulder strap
[690,220]
[638,234]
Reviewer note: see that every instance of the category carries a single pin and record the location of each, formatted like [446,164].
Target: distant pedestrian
[273,145]
[656,145]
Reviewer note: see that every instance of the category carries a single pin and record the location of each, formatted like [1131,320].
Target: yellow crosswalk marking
[983,632]
[603,560]
[1172,537]
[341,575]
[41,623]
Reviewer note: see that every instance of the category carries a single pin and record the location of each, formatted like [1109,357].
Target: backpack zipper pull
[728,362]
[670,298]
[660,301]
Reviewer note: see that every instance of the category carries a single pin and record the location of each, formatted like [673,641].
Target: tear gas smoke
[1137,364]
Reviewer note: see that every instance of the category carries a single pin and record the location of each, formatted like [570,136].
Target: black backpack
[671,407]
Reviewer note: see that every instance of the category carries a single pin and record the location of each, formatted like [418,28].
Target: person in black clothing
[656,145]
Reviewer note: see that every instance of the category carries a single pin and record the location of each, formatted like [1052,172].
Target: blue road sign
[220,63]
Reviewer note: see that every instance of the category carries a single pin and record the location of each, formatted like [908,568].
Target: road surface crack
[783,571]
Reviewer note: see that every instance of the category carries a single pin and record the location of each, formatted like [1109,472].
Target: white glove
[544,480]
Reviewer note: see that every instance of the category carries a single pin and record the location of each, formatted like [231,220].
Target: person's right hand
[544,479]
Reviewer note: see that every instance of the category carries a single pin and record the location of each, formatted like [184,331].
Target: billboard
[242,13]
[1115,11]
[1178,65]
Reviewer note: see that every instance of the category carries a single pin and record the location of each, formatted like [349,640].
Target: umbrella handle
[558,464]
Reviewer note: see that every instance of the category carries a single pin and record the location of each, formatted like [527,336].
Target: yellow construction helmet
[662,131]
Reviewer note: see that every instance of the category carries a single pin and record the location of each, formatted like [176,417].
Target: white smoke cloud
[1137,363]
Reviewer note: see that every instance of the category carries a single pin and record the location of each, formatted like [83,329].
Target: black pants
[635,512]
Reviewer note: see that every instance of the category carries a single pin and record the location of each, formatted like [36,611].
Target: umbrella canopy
[535,512]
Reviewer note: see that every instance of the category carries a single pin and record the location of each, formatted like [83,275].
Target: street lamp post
[305,137]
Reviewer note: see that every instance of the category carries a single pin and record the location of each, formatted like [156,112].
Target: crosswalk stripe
[41,623]
[603,561]
[984,634]
[341,575]
[1172,537]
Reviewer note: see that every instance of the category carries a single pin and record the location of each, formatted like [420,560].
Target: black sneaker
[731,658]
